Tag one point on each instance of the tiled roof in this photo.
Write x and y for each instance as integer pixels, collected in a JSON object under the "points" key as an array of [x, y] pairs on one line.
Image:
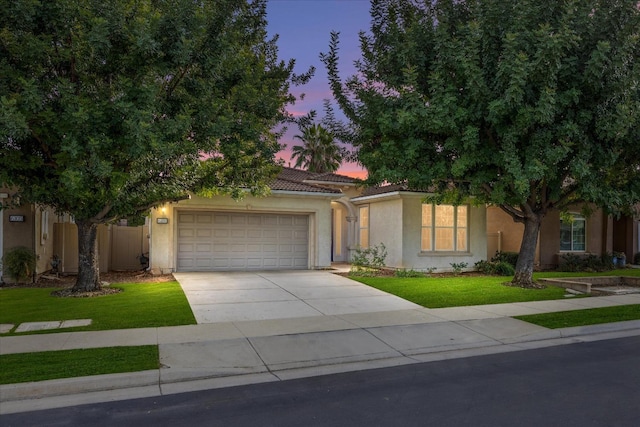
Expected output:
{"points": [[390, 188], [332, 177], [298, 180], [302, 175]]}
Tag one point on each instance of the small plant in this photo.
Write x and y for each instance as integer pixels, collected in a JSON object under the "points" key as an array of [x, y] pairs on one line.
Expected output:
{"points": [[485, 267], [408, 273], [636, 259], [366, 262], [570, 263], [458, 267], [510, 257], [20, 263]]}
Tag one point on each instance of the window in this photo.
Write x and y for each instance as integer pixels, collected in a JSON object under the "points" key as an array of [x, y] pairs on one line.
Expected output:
{"points": [[573, 236], [445, 228], [364, 226]]}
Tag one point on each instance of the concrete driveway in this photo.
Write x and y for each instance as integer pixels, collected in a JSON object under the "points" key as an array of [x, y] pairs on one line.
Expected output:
{"points": [[237, 296]]}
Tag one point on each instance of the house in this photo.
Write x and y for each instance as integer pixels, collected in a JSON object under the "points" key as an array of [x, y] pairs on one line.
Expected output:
{"points": [[309, 221], [420, 235], [55, 236], [595, 234]]}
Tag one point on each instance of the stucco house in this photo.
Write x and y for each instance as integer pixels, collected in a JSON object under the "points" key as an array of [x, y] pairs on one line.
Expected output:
{"points": [[595, 234], [309, 221]]}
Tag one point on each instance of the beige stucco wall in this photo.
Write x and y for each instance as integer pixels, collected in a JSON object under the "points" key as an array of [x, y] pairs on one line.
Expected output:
{"points": [[396, 221], [35, 233], [162, 248], [598, 230]]}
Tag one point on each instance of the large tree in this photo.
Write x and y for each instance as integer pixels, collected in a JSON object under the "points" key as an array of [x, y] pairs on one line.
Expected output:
{"points": [[319, 151], [528, 105], [110, 107]]}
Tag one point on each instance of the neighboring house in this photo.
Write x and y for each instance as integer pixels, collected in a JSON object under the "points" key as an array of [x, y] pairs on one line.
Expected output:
{"points": [[595, 234], [28, 226], [49, 235]]}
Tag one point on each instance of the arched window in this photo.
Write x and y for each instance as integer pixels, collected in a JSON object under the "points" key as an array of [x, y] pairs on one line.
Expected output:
{"points": [[573, 234]]}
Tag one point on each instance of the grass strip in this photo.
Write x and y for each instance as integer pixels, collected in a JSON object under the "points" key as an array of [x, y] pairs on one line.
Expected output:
{"points": [[465, 290], [590, 316], [141, 305], [50, 365]]}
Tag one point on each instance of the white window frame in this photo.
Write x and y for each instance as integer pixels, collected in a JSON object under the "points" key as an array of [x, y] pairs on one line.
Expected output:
{"points": [[430, 229], [574, 218], [363, 226]]}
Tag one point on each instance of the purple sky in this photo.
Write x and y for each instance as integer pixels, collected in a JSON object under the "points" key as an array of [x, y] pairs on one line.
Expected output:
{"points": [[304, 27]]}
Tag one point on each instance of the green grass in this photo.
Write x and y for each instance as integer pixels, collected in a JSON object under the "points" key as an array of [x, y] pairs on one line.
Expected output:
{"points": [[591, 316], [436, 292], [140, 305], [27, 367]]}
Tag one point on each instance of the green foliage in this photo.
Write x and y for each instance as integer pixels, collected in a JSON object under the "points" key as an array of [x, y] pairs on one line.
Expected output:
{"points": [[485, 267], [403, 272], [108, 108], [530, 106], [636, 258], [458, 267], [367, 261], [19, 263], [589, 262], [508, 257], [505, 269], [319, 152]]}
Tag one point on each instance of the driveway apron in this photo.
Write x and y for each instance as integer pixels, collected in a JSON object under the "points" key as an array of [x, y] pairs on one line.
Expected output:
{"points": [[238, 296]]}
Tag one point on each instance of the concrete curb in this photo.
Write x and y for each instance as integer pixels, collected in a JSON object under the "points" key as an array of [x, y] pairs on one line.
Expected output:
{"points": [[101, 388]]}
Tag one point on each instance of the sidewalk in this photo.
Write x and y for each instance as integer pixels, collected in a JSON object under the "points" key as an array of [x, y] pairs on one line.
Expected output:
{"points": [[207, 356]]}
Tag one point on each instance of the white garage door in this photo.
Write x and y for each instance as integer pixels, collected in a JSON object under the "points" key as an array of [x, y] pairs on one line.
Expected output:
{"points": [[209, 241]]}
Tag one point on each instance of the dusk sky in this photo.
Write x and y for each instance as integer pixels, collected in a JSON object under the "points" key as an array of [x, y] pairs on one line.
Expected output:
{"points": [[304, 27]]}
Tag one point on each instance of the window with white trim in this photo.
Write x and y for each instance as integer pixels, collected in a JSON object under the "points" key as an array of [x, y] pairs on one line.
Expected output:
{"points": [[445, 228], [573, 234], [364, 226]]}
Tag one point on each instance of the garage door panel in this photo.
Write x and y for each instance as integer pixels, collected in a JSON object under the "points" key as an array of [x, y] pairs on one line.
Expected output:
{"points": [[240, 241]]}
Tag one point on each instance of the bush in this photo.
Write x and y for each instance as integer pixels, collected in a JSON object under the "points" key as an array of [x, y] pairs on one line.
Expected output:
{"points": [[485, 267], [503, 268], [508, 257], [19, 263], [408, 273], [367, 261], [575, 263], [458, 267], [636, 259]]}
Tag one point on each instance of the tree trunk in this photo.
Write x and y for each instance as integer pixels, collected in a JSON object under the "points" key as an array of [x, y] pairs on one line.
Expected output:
{"points": [[524, 267], [88, 272]]}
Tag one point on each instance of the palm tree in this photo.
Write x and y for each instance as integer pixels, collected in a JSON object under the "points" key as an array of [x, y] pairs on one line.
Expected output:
{"points": [[319, 152]]}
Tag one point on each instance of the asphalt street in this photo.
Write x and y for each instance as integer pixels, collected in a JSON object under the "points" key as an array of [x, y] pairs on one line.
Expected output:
{"points": [[583, 384]]}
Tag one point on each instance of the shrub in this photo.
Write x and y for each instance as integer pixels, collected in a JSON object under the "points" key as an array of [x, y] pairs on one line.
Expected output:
{"points": [[509, 257], [408, 273], [636, 259], [503, 268], [366, 262], [20, 263], [575, 263], [570, 263], [485, 267]]}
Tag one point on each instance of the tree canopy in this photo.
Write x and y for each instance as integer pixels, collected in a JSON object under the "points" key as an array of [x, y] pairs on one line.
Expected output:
{"points": [[527, 105], [110, 107]]}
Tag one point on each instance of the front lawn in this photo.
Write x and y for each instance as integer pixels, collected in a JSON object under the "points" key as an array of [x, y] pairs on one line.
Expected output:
{"points": [[464, 290], [140, 305]]}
